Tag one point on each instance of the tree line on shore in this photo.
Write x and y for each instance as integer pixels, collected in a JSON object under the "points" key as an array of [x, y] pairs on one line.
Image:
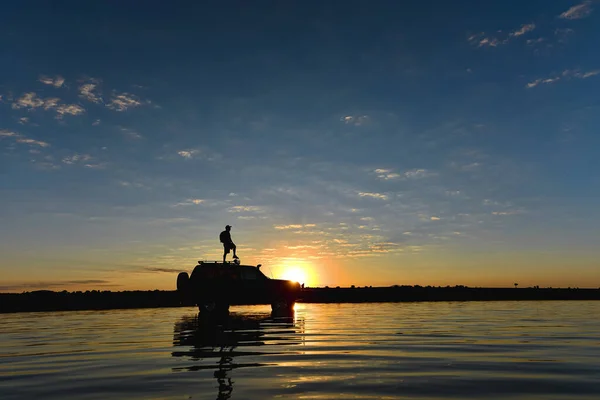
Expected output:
{"points": [[46, 300]]}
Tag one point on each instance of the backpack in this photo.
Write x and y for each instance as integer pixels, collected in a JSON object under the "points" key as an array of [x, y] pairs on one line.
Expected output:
{"points": [[223, 236]]}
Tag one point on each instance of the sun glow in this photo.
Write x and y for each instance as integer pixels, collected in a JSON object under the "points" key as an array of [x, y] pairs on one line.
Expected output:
{"points": [[295, 274], [298, 271]]}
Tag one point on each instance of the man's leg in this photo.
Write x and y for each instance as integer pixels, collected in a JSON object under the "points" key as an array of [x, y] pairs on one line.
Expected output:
{"points": [[233, 247], [224, 253]]}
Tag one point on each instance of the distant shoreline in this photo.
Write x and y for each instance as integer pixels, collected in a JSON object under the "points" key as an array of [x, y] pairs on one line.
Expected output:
{"points": [[44, 300]]}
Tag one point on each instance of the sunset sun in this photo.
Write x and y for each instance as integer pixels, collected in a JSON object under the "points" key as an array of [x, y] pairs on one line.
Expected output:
{"points": [[297, 270], [295, 274]]}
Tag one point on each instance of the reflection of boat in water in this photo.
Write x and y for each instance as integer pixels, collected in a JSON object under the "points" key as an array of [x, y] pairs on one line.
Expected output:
{"points": [[231, 341]]}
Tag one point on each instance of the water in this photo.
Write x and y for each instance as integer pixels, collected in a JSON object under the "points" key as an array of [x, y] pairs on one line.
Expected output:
{"points": [[492, 350]]}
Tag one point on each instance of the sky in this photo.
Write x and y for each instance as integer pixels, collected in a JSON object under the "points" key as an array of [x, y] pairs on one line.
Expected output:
{"points": [[364, 143]]}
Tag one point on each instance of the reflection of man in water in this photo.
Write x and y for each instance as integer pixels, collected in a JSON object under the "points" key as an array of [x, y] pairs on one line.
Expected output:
{"points": [[228, 244]]}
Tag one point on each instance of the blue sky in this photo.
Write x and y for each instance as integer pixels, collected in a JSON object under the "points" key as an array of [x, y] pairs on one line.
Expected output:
{"points": [[366, 143]]}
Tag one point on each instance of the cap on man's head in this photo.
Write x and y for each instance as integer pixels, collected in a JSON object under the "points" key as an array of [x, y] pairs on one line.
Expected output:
{"points": [[227, 226]]}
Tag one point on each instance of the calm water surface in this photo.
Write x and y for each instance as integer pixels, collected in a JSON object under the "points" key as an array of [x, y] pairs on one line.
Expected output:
{"points": [[493, 350]]}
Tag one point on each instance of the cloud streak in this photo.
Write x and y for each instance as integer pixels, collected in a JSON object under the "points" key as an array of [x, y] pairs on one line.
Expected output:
{"points": [[198, 154], [123, 101], [190, 202], [523, 30], [57, 81], [31, 101], [579, 11], [294, 226], [240, 209], [189, 153], [76, 158], [130, 133], [386, 174], [378, 196], [418, 174], [91, 91], [18, 138], [70, 109], [356, 120], [159, 269], [566, 75], [484, 40]]}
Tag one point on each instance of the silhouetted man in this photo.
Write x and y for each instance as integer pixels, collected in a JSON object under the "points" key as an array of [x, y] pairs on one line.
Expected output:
{"points": [[228, 244]]}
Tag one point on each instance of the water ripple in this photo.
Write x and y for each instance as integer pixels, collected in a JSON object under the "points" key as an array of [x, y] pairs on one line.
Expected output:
{"points": [[499, 350]]}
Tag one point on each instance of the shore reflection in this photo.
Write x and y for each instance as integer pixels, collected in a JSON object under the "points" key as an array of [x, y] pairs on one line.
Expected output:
{"points": [[234, 340]]}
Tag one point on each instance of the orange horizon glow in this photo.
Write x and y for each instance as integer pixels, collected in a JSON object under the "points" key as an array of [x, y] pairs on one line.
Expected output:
{"points": [[297, 270], [314, 270]]}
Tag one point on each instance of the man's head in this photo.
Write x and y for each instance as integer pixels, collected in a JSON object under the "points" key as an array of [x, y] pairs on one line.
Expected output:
{"points": [[227, 227]]}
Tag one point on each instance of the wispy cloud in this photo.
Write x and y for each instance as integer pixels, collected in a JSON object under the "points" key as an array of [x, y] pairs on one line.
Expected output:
{"points": [[131, 184], [76, 158], [239, 209], [57, 81], [51, 103], [197, 154], [28, 100], [89, 91], [32, 141], [32, 101], [159, 269], [581, 75], [419, 174], [541, 81], [123, 101], [566, 75], [95, 166], [356, 120], [294, 226], [578, 12], [532, 42], [386, 174], [190, 202], [563, 34], [18, 138], [484, 40], [188, 154], [453, 193], [71, 109], [7, 133], [130, 133], [523, 30], [84, 160], [504, 213], [379, 196]]}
